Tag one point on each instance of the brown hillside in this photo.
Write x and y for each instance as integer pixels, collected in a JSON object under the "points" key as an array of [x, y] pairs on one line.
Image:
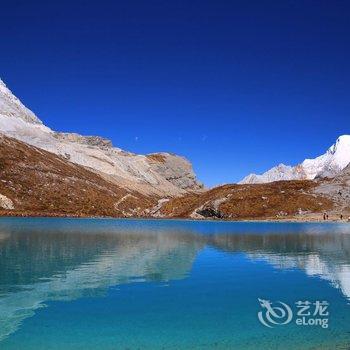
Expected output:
{"points": [[41, 183], [262, 201]]}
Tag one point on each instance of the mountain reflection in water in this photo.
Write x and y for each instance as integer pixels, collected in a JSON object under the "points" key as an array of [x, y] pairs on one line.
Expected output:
{"points": [[45, 260]]}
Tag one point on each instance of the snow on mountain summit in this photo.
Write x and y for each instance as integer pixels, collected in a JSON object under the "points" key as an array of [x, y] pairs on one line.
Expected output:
{"points": [[329, 164], [332, 162]]}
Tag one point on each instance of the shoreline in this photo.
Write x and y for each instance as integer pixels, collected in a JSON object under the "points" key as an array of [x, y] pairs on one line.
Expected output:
{"points": [[8, 214]]}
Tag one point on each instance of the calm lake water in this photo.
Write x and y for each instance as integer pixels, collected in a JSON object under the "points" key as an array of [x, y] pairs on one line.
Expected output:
{"points": [[137, 284]]}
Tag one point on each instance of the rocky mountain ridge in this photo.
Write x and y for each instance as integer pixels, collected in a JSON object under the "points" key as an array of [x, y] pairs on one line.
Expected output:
{"points": [[48, 173], [40, 183], [172, 176], [37, 182]]}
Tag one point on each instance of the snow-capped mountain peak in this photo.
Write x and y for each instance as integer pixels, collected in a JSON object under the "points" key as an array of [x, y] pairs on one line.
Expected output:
{"points": [[341, 149], [336, 158]]}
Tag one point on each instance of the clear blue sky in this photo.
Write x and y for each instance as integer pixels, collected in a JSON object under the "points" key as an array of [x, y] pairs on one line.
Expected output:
{"points": [[235, 86]]}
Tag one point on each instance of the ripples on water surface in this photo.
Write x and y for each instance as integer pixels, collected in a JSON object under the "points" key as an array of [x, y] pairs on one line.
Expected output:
{"points": [[134, 284]]}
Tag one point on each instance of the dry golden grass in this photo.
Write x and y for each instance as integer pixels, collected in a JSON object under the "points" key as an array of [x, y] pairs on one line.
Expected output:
{"points": [[41, 183], [261, 201], [157, 157]]}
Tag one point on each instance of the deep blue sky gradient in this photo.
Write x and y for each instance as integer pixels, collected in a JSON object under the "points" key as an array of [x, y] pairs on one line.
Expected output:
{"points": [[235, 86]]}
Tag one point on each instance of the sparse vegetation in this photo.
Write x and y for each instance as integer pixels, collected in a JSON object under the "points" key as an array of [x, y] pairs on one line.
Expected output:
{"points": [[41, 183]]}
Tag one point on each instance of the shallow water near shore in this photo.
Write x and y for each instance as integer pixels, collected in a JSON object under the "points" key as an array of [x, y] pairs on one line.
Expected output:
{"points": [[171, 284]]}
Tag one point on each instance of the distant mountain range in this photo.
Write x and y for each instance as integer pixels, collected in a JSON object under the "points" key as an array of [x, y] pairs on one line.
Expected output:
{"points": [[43, 172], [329, 164]]}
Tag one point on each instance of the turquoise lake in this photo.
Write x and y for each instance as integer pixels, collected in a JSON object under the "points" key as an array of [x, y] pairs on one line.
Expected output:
{"points": [[172, 284]]}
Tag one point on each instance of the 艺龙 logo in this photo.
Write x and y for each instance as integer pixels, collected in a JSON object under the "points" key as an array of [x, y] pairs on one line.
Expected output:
{"points": [[308, 314], [274, 313]]}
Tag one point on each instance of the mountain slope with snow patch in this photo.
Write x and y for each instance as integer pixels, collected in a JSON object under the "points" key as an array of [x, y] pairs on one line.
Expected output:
{"points": [[329, 164]]}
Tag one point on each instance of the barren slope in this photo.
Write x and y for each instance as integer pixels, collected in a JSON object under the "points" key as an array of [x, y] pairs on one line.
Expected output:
{"points": [[261, 201], [161, 174], [337, 189], [34, 181]]}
